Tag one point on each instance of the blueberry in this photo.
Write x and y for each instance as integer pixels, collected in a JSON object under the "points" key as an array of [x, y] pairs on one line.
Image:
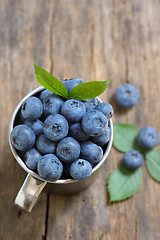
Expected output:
{"points": [[32, 109], [36, 126], [94, 123], [49, 167], [45, 93], [90, 104], [148, 138], [133, 159], [106, 109], [22, 137], [21, 118], [71, 83], [73, 110], [55, 127], [80, 169], [31, 159], [52, 104], [44, 145], [102, 139], [76, 132], [68, 150], [91, 152], [127, 96]]}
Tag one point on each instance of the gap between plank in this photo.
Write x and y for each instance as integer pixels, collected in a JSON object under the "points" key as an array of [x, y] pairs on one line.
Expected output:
{"points": [[44, 237]]}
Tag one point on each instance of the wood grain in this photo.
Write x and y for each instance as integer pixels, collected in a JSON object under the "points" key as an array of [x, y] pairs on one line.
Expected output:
{"points": [[24, 39], [94, 40]]}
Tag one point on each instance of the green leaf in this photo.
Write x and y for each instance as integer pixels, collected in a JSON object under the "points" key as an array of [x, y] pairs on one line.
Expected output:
{"points": [[124, 137], [50, 82], [153, 163], [88, 90], [123, 183]]}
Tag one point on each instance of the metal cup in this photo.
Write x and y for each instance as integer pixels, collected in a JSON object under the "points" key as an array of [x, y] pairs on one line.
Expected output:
{"points": [[34, 184]]}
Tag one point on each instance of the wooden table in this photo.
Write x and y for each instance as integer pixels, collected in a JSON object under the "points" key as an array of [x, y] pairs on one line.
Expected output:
{"points": [[93, 40]]}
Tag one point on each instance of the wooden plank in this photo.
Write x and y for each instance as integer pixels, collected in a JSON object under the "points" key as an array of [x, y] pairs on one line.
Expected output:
{"points": [[97, 40], [142, 41], [24, 39]]}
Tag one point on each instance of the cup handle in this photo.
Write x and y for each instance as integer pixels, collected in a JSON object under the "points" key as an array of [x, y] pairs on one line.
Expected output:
{"points": [[29, 193]]}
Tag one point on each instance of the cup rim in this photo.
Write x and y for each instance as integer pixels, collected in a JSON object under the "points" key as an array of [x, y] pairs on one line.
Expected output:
{"points": [[21, 162]]}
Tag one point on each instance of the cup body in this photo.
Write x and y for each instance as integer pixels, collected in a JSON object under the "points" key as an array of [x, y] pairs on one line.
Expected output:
{"points": [[60, 186]]}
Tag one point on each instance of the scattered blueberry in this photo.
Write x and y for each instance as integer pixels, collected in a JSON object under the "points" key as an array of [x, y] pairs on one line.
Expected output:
{"points": [[71, 83], [49, 167], [106, 109], [36, 126], [102, 139], [45, 93], [68, 150], [127, 95], [44, 145], [91, 152], [133, 159], [76, 132], [90, 104], [52, 104], [32, 109], [148, 138], [80, 169], [22, 137], [31, 159], [55, 127], [94, 123], [73, 110]]}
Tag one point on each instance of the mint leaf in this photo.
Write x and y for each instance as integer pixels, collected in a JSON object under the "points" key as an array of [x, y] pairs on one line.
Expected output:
{"points": [[124, 137], [88, 90], [50, 82], [153, 163], [123, 183]]}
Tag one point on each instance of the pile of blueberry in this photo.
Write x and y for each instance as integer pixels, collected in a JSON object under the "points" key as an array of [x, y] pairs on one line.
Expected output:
{"points": [[60, 138]]}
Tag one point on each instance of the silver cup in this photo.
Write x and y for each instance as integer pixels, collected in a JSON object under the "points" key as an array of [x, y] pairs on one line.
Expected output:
{"points": [[34, 184]]}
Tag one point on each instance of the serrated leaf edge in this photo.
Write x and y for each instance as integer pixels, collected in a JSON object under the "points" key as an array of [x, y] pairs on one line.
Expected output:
{"points": [[60, 94], [146, 163], [75, 97], [126, 196], [124, 125]]}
